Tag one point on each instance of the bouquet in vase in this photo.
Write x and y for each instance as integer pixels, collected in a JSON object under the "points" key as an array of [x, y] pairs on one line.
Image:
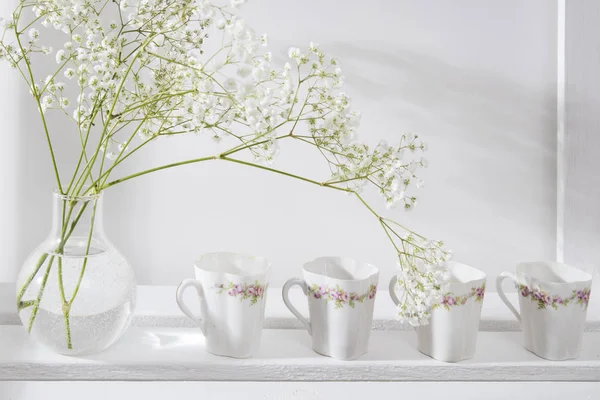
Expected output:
{"points": [[128, 73]]}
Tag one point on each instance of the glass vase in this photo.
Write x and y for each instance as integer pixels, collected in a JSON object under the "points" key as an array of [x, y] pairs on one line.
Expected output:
{"points": [[76, 292]]}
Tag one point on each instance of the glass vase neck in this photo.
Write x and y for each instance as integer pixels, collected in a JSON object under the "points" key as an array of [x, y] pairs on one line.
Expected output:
{"points": [[77, 227]]}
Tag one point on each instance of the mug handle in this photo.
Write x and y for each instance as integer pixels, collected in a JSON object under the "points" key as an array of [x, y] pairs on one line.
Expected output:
{"points": [[285, 293], [392, 290], [499, 280], [180, 290]]}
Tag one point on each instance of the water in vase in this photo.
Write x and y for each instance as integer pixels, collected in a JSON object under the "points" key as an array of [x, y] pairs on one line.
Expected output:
{"points": [[99, 313]]}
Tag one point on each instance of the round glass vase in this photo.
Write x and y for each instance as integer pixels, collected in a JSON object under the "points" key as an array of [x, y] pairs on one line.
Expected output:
{"points": [[76, 293]]}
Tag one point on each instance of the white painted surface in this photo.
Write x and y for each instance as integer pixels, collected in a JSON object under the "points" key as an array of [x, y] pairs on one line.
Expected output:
{"points": [[157, 307], [560, 128], [178, 354], [296, 390], [582, 141], [10, 160], [477, 79]]}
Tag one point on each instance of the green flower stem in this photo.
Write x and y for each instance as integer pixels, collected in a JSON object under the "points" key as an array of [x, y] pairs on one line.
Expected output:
{"points": [[356, 178], [200, 70], [381, 222], [41, 93], [39, 296], [20, 304], [99, 182], [66, 305], [36, 95], [159, 97], [66, 235], [389, 236], [87, 253], [385, 228], [29, 25], [252, 144], [284, 173], [398, 236], [246, 145], [40, 262], [303, 104], [83, 153], [106, 173], [197, 160], [28, 303], [403, 227], [366, 205], [17, 66], [110, 115], [295, 94], [321, 148]]}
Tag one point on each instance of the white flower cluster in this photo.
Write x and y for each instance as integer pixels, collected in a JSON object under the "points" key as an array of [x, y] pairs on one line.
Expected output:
{"points": [[149, 73], [421, 279], [333, 124]]}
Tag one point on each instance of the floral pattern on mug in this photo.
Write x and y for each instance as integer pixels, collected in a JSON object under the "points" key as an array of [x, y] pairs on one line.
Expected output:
{"points": [[544, 300], [242, 290], [450, 300], [339, 296]]}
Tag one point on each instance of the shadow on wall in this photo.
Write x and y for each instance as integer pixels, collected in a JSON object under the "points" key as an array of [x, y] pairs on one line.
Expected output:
{"points": [[509, 128], [499, 110]]}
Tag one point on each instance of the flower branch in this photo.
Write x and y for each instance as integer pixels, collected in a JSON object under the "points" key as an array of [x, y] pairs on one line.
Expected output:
{"points": [[146, 76]]}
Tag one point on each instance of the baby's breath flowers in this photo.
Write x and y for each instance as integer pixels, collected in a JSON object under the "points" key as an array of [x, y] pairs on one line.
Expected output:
{"points": [[131, 72]]}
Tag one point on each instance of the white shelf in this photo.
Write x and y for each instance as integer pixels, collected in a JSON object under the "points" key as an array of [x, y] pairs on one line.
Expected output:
{"points": [[177, 354], [297, 390], [163, 346]]}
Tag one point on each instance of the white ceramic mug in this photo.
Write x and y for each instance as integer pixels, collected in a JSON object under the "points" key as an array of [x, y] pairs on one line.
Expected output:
{"points": [[341, 296], [232, 289], [553, 299], [451, 334]]}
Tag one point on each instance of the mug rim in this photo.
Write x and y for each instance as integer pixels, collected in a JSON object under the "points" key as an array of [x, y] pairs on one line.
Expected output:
{"points": [[374, 270], [464, 286], [555, 265], [261, 259], [452, 265]]}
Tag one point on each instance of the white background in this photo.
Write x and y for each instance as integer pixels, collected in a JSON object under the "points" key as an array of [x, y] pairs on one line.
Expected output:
{"points": [[476, 79]]}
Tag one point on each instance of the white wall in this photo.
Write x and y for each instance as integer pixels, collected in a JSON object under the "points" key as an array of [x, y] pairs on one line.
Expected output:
{"points": [[476, 79], [582, 142]]}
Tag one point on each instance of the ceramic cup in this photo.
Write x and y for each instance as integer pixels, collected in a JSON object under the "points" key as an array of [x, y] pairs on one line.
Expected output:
{"points": [[451, 334], [341, 295], [553, 299], [232, 291]]}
